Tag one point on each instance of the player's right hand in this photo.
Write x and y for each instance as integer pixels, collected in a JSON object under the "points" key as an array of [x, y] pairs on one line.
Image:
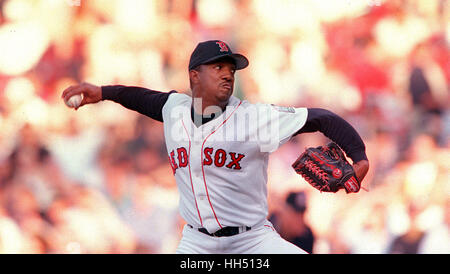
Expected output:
{"points": [[91, 94]]}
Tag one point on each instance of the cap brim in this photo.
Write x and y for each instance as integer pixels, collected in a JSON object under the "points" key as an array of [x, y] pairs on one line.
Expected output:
{"points": [[240, 60]]}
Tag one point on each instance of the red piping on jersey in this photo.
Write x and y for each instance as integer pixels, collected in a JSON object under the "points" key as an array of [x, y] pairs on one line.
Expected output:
{"points": [[190, 175], [203, 171]]}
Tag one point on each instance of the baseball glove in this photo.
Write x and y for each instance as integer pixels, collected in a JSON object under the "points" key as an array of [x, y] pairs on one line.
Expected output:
{"points": [[327, 169]]}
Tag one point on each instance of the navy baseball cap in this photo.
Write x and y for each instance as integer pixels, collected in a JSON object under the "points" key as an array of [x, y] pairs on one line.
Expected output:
{"points": [[213, 50]]}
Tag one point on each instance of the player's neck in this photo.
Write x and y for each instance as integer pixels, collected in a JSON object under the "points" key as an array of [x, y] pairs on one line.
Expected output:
{"points": [[202, 113], [202, 107], [199, 119]]}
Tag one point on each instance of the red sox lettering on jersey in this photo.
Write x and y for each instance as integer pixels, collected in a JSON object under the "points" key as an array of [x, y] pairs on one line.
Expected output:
{"points": [[218, 158], [220, 167]]}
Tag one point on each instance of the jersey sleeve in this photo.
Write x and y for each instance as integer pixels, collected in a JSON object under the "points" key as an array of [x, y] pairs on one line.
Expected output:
{"points": [[145, 101], [338, 130], [277, 124]]}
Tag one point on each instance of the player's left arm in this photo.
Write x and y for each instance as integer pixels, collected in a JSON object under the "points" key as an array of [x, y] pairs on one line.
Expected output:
{"points": [[342, 133]]}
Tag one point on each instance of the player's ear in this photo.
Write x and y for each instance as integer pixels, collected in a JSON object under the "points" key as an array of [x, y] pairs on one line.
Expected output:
{"points": [[194, 76]]}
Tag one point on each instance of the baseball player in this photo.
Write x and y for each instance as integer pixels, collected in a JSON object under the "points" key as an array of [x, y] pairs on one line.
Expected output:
{"points": [[218, 147]]}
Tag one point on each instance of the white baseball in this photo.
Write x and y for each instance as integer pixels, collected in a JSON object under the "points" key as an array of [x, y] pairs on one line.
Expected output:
{"points": [[74, 101]]}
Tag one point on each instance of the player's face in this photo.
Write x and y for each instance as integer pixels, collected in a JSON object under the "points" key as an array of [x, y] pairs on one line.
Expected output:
{"points": [[216, 81]]}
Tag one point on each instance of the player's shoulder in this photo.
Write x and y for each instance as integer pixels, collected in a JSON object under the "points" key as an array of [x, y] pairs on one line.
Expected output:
{"points": [[176, 99], [277, 110], [179, 96], [271, 107]]}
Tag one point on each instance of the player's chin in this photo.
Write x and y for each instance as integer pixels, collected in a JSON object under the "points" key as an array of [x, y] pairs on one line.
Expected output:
{"points": [[224, 93]]}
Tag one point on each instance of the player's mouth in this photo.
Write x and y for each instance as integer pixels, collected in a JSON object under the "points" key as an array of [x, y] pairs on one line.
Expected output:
{"points": [[227, 86]]}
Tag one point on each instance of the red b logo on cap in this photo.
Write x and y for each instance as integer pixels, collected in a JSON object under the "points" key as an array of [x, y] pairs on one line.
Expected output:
{"points": [[222, 45]]}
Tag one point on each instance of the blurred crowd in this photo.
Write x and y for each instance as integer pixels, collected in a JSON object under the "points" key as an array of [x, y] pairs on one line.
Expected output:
{"points": [[97, 180]]}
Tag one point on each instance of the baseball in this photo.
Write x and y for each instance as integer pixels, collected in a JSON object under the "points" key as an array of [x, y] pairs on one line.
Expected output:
{"points": [[74, 101]]}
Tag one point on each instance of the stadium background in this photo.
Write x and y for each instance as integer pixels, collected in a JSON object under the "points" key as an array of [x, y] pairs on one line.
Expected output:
{"points": [[97, 180]]}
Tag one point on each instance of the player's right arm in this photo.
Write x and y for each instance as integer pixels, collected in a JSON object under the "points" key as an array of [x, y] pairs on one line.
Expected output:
{"points": [[145, 101]]}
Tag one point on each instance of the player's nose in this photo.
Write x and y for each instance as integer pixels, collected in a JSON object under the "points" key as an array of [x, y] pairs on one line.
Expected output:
{"points": [[228, 75], [228, 78]]}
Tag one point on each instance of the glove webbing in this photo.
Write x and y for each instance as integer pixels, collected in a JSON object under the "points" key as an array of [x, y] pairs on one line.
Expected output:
{"points": [[309, 170]]}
